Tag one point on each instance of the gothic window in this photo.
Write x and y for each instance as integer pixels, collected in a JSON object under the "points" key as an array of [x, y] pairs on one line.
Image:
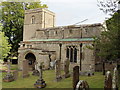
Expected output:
{"points": [[33, 20], [71, 53], [67, 53], [75, 55]]}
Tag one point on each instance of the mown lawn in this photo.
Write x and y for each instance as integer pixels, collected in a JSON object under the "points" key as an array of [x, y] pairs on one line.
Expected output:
{"points": [[95, 81]]}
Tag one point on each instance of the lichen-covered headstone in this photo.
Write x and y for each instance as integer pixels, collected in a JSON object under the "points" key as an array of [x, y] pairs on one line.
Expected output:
{"points": [[40, 83], [15, 75], [25, 69], [66, 68], [115, 79], [82, 85], [108, 81], [75, 76], [58, 70]]}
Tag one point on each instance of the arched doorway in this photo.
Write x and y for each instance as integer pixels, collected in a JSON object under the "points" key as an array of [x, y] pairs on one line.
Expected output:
{"points": [[31, 58]]}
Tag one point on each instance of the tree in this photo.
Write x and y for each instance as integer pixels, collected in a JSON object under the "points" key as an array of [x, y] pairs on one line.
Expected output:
{"points": [[4, 45], [13, 20], [108, 43]]}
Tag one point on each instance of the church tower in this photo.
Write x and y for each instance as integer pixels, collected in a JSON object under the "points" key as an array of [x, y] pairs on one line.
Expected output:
{"points": [[36, 19]]}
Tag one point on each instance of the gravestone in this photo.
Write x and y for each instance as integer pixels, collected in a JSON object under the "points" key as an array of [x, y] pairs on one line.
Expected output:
{"points": [[75, 76], [36, 72], [8, 77], [108, 81], [58, 70], [82, 85], [66, 68], [40, 83], [118, 68], [115, 79], [25, 70], [15, 75]]}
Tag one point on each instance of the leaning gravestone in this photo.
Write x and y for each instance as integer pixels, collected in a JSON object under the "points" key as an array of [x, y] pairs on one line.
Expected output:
{"points": [[115, 79], [82, 85], [40, 83], [66, 68], [108, 81], [75, 76], [8, 77], [58, 70], [36, 72], [15, 75], [25, 71]]}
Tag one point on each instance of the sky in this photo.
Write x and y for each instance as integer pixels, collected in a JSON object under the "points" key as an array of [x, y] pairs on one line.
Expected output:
{"points": [[70, 12]]}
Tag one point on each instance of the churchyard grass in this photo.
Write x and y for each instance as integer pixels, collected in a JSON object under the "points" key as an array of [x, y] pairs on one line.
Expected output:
{"points": [[95, 81]]}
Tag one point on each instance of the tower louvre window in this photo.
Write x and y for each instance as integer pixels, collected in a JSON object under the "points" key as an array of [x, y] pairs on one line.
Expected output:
{"points": [[33, 20]]}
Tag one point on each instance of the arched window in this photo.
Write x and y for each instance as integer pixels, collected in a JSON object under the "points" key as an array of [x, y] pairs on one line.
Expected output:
{"points": [[71, 53], [33, 20], [75, 55]]}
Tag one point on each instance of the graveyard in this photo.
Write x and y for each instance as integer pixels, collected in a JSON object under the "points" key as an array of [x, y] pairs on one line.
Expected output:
{"points": [[44, 55], [49, 77], [95, 81]]}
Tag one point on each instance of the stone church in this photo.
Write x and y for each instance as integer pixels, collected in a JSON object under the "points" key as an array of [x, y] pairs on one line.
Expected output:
{"points": [[44, 42]]}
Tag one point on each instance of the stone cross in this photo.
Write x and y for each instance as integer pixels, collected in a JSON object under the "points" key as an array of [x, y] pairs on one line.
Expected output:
{"points": [[66, 68], [58, 70], [40, 70], [115, 79], [35, 65], [82, 85], [108, 81], [40, 83], [75, 76]]}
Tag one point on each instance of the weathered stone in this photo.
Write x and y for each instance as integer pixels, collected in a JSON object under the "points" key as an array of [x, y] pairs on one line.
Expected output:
{"points": [[58, 70], [15, 75], [118, 68], [48, 38], [108, 81], [36, 72], [40, 83], [75, 76], [115, 79], [8, 77], [25, 70], [82, 85], [66, 68]]}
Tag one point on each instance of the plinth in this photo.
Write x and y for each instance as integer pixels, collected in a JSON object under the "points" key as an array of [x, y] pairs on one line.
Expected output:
{"points": [[40, 83], [8, 78]]}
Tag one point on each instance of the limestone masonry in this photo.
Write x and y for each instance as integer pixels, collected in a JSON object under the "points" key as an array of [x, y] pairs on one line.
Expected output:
{"points": [[43, 42]]}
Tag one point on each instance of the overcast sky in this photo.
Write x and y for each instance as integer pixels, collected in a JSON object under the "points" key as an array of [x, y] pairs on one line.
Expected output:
{"points": [[69, 12]]}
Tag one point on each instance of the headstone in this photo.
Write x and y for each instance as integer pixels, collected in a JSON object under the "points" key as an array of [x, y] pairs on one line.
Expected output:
{"points": [[8, 77], [82, 85], [118, 68], [36, 72], [75, 76], [66, 68], [40, 83], [25, 71], [15, 75], [58, 70], [115, 79], [108, 81]]}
